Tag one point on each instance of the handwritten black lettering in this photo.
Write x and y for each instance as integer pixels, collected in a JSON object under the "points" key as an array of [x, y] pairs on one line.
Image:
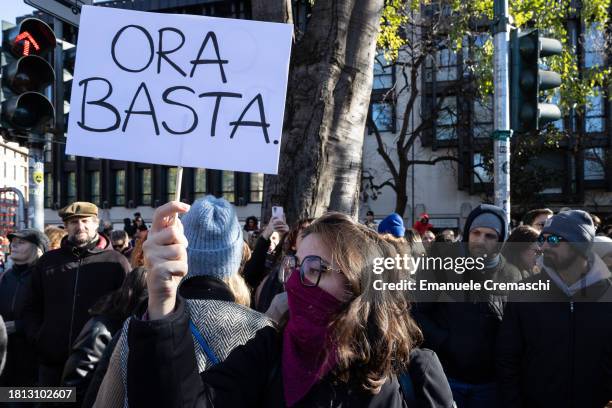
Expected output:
{"points": [[165, 98], [198, 61], [99, 102], [114, 45], [151, 110], [264, 126]]}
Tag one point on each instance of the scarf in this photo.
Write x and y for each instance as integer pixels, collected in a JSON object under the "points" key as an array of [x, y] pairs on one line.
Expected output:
{"points": [[308, 354]]}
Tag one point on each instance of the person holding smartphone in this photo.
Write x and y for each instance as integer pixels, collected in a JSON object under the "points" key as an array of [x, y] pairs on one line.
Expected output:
{"points": [[266, 256]]}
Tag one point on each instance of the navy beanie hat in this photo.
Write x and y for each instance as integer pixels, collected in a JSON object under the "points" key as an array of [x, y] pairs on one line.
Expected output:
{"points": [[214, 238], [576, 226], [392, 224]]}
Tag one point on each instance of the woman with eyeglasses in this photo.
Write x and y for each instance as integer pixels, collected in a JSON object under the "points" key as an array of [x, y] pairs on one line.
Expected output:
{"points": [[522, 250], [342, 345]]}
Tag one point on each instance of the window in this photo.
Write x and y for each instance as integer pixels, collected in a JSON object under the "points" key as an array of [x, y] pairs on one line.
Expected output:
{"points": [[483, 116], [594, 168], [144, 186], [119, 190], [256, 190], [171, 183], [48, 190], [446, 119], [228, 186], [382, 109], [595, 113], [443, 65], [382, 116], [383, 73], [70, 187], [94, 187], [199, 183], [480, 173], [594, 46]]}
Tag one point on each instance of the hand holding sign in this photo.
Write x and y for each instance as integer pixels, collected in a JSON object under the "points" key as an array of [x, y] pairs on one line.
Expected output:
{"points": [[165, 254]]}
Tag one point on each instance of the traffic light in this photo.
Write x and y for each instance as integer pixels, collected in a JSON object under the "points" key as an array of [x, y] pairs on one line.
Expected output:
{"points": [[527, 80], [26, 74]]}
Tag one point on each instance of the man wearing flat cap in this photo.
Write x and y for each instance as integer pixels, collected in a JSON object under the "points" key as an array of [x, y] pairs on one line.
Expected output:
{"points": [[555, 346], [66, 283], [26, 246]]}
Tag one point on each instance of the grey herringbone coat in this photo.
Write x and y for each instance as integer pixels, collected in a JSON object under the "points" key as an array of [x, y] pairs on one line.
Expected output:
{"points": [[223, 324]]}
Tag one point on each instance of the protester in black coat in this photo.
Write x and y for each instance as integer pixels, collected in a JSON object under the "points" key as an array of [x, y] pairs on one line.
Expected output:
{"points": [[27, 246], [351, 363], [66, 283], [462, 326], [555, 345], [425, 385], [107, 317]]}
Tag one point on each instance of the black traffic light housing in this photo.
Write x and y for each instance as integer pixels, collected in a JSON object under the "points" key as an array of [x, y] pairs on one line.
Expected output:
{"points": [[26, 74], [527, 80]]}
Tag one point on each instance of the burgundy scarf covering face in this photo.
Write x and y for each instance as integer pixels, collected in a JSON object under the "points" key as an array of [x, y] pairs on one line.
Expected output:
{"points": [[307, 353]]}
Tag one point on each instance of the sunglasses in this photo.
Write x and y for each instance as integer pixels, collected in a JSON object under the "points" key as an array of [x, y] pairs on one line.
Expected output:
{"points": [[311, 269], [552, 239]]}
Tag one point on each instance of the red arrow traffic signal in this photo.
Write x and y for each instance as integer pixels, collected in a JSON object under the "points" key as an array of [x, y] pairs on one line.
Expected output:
{"points": [[27, 40]]}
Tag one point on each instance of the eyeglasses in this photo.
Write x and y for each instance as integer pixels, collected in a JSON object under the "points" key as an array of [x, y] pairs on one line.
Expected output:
{"points": [[311, 269], [553, 240]]}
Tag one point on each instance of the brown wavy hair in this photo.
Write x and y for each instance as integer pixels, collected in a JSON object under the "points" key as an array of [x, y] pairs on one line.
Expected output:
{"points": [[374, 333]]}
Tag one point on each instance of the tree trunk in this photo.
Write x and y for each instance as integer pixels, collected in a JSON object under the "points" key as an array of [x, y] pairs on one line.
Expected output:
{"points": [[330, 82]]}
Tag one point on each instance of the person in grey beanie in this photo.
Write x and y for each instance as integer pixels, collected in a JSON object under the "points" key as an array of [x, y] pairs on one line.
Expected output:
{"points": [[463, 329], [214, 297], [27, 246], [555, 346]]}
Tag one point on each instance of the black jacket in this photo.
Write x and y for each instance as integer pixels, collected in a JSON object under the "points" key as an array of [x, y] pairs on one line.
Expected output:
{"points": [[462, 327], [555, 350], [87, 351], [21, 364], [162, 373], [255, 272], [66, 282], [427, 386]]}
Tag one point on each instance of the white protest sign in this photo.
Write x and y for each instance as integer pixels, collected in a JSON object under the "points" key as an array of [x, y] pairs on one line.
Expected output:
{"points": [[179, 90]]}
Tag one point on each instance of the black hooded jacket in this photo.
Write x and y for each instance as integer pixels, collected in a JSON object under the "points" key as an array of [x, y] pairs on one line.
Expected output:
{"points": [[21, 364], [462, 327], [66, 282]]}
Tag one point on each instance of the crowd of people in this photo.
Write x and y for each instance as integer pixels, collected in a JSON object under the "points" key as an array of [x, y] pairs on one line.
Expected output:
{"points": [[199, 310]]}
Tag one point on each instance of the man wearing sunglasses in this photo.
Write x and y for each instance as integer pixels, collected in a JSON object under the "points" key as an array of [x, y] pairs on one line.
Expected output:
{"points": [[555, 347]]}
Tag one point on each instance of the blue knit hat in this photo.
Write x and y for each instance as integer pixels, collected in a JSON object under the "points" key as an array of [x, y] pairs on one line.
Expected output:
{"points": [[392, 224], [215, 238]]}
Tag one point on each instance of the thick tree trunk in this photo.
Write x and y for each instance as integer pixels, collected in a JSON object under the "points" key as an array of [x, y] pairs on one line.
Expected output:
{"points": [[330, 82]]}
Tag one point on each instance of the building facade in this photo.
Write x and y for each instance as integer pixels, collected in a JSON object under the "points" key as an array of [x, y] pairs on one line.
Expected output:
{"points": [[459, 124], [448, 190]]}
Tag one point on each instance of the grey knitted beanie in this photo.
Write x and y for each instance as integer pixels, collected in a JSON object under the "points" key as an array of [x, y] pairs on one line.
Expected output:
{"points": [[215, 238], [576, 226]]}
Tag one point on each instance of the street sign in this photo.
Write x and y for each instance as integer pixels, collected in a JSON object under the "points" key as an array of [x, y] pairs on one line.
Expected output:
{"points": [[66, 10]]}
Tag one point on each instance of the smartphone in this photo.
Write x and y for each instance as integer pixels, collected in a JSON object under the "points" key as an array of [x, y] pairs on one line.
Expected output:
{"points": [[278, 212]]}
